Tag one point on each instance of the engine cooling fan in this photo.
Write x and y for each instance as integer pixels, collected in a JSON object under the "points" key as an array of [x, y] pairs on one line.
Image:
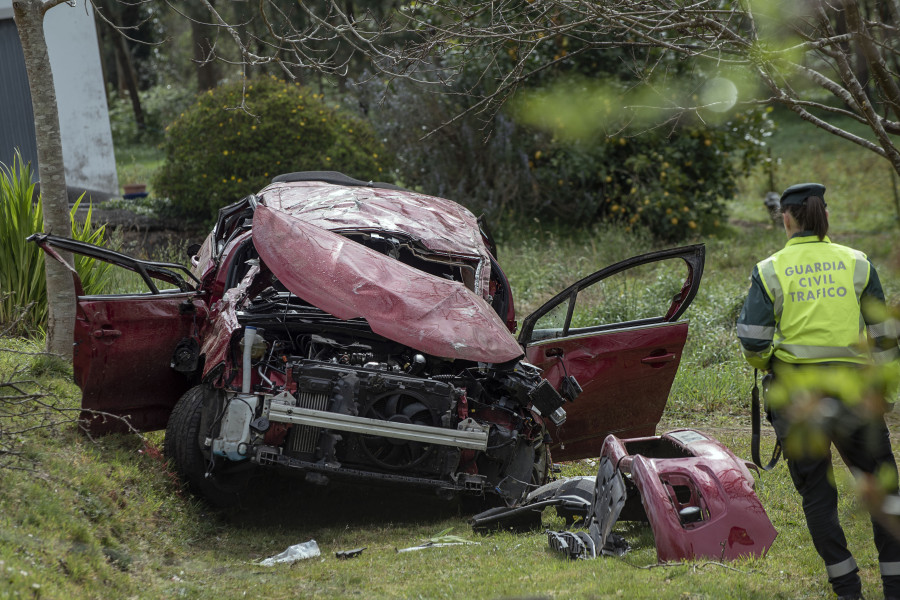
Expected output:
{"points": [[398, 406]]}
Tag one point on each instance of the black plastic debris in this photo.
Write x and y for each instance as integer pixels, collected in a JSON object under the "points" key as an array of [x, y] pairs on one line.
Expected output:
{"points": [[572, 498], [345, 554], [595, 501], [608, 500], [573, 544]]}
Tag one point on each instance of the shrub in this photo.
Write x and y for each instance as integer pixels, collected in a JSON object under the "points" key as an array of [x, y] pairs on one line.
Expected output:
{"points": [[23, 286], [673, 182], [220, 150]]}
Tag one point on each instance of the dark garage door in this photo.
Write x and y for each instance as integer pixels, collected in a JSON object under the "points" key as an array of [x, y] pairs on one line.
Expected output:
{"points": [[16, 116]]}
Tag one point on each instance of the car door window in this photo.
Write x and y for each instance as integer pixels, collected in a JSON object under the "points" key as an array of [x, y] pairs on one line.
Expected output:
{"points": [[647, 289], [642, 292], [552, 324], [125, 281], [129, 275]]}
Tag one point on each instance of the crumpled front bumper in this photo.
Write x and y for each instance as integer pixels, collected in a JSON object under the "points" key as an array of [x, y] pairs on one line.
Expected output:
{"points": [[697, 495]]}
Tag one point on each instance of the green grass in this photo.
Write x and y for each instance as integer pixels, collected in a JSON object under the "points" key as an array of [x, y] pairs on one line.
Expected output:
{"points": [[104, 519]]}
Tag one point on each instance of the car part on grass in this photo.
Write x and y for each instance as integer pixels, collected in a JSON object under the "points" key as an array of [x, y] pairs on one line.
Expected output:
{"points": [[596, 501], [442, 539], [572, 497], [584, 545], [428, 545], [698, 498], [345, 554], [606, 506], [573, 544], [697, 495]]}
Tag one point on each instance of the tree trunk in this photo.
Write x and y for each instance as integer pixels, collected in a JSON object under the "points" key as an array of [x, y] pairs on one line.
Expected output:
{"points": [[204, 57], [204, 52], [29, 18], [123, 57]]}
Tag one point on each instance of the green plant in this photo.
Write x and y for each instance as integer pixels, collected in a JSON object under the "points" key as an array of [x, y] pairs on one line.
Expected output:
{"points": [[238, 136], [23, 291], [674, 183]]}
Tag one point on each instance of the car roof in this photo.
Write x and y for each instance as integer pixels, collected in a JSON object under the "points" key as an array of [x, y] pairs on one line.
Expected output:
{"points": [[336, 202], [429, 313]]}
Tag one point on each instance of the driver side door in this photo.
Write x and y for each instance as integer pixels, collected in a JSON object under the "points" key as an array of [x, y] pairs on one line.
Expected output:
{"points": [[127, 345]]}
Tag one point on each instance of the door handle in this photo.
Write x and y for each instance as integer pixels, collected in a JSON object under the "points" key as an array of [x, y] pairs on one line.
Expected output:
{"points": [[106, 333], [658, 361], [551, 352]]}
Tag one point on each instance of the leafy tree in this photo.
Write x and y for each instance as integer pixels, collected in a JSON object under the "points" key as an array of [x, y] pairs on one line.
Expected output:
{"points": [[822, 60]]}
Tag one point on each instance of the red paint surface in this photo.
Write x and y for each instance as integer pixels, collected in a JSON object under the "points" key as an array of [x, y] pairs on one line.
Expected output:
{"points": [[622, 395], [348, 280], [442, 226], [734, 522], [123, 349]]}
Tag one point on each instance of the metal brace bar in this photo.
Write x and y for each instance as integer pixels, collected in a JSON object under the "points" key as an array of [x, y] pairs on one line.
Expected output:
{"points": [[472, 440]]}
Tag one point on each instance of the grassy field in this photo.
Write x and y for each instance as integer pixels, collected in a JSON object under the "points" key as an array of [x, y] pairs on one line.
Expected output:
{"points": [[104, 518]]}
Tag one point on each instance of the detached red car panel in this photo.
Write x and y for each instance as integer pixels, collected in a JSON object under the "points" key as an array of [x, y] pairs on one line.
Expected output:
{"points": [[698, 497], [341, 329]]}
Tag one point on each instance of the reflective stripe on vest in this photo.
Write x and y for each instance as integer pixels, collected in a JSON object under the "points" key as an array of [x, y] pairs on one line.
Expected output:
{"points": [[815, 289]]}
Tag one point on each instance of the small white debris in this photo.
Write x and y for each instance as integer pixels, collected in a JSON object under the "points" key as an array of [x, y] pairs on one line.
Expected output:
{"points": [[294, 553]]}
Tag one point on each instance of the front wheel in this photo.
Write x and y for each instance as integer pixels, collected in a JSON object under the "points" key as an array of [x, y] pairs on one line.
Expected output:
{"points": [[219, 481]]}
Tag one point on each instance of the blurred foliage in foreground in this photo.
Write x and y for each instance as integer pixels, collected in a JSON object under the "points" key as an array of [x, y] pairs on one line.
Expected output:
{"points": [[572, 149]]}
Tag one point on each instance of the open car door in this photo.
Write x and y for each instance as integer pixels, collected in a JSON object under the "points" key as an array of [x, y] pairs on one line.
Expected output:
{"points": [[618, 333], [129, 345]]}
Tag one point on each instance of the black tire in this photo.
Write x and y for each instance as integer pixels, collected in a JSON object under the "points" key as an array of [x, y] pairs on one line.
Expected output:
{"points": [[226, 482], [540, 473]]}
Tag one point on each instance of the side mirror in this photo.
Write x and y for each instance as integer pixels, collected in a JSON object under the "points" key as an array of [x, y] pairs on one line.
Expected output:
{"points": [[193, 249]]}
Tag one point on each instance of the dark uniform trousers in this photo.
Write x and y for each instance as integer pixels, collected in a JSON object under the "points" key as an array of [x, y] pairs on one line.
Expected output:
{"points": [[864, 445]]}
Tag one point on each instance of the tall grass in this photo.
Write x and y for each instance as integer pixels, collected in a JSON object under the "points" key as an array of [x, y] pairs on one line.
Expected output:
{"points": [[23, 289]]}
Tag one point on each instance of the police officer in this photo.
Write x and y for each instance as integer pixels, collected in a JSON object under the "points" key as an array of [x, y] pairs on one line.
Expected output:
{"points": [[815, 317]]}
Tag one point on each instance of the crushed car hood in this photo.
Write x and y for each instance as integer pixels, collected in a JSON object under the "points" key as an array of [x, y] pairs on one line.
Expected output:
{"points": [[441, 226], [348, 280]]}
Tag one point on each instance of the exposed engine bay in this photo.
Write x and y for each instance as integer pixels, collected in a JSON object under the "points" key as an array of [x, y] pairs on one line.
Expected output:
{"points": [[332, 399]]}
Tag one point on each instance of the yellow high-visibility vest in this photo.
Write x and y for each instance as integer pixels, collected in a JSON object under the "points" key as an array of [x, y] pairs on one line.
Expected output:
{"points": [[815, 287]]}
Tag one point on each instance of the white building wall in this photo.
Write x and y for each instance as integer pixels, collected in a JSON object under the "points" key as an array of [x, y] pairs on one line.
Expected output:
{"points": [[83, 114]]}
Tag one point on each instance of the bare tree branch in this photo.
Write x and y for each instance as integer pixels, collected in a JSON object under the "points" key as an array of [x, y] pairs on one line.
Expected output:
{"points": [[486, 50]]}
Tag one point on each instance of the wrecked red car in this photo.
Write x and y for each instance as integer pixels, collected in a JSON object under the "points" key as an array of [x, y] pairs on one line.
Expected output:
{"points": [[344, 329]]}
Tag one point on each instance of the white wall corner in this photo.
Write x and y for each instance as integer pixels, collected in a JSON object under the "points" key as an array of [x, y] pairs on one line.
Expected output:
{"points": [[83, 113]]}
